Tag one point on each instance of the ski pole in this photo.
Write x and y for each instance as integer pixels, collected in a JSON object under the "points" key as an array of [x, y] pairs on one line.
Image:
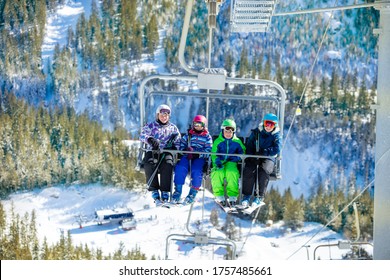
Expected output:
{"points": [[168, 145], [155, 170]]}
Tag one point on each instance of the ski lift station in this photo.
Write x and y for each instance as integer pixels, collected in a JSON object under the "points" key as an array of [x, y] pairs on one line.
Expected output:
{"points": [[113, 215]]}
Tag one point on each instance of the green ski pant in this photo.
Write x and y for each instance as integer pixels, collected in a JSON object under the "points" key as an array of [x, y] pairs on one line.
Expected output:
{"points": [[231, 173]]}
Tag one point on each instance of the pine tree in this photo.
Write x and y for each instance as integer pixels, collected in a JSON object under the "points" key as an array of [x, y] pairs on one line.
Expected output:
{"points": [[230, 228], [243, 63], [33, 237], [293, 215], [214, 218], [267, 69], [3, 223], [275, 205], [136, 42], [229, 62], [363, 100], [45, 251], [259, 65], [350, 230], [151, 35], [334, 88]]}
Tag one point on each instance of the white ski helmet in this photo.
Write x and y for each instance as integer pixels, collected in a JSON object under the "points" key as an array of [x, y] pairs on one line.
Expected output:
{"points": [[162, 107]]}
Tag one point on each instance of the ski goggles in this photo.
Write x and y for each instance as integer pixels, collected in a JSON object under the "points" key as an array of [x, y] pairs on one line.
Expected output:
{"points": [[269, 124], [197, 124], [229, 129], [165, 112]]}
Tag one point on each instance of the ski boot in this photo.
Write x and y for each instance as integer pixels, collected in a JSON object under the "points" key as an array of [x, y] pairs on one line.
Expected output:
{"points": [[245, 201], [191, 196], [257, 201], [177, 194]]}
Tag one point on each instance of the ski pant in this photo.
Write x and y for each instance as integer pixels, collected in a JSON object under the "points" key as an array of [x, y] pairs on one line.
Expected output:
{"points": [[165, 168], [266, 167], [182, 169], [231, 173]]}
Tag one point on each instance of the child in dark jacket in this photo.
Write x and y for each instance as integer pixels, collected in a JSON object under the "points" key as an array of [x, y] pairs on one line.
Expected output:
{"points": [[263, 141]]}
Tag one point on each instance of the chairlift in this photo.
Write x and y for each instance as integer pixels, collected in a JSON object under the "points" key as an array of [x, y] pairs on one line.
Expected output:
{"points": [[209, 84], [277, 100]]}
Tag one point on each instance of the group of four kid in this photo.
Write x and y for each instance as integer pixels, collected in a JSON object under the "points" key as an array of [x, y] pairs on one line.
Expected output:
{"points": [[264, 143]]}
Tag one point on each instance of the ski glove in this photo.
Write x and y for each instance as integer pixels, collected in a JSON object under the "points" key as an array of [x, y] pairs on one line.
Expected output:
{"points": [[172, 148], [218, 163], [191, 156], [234, 159], [189, 149], [154, 143]]}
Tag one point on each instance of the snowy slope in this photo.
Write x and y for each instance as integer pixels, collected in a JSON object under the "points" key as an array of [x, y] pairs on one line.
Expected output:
{"points": [[59, 208], [57, 24], [300, 170]]}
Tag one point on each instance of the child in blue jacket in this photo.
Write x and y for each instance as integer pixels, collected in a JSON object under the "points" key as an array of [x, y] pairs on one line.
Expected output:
{"points": [[198, 139]]}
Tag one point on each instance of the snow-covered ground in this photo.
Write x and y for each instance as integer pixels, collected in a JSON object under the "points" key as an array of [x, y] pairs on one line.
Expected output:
{"points": [[59, 209], [58, 23]]}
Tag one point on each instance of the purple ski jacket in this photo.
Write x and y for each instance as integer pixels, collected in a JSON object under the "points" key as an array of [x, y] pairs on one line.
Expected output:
{"points": [[161, 132]]}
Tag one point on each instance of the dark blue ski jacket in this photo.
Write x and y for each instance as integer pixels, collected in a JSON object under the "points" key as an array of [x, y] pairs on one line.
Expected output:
{"points": [[264, 143]]}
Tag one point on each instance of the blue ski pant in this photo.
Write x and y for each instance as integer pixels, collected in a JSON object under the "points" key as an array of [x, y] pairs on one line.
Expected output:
{"points": [[183, 167]]}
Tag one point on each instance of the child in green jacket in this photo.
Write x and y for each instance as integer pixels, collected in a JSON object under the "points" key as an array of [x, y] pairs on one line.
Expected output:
{"points": [[225, 166]]}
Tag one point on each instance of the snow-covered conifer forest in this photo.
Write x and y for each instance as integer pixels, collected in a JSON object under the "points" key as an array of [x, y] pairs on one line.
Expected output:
{"points": [[70, 71]]}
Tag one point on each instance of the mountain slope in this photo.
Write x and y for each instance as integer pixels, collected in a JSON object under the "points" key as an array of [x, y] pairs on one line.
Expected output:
{"points": [[59, 208]]}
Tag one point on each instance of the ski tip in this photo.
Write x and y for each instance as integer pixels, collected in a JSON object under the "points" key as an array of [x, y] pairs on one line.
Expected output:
{"points": [[252, 209], [226, 209]]}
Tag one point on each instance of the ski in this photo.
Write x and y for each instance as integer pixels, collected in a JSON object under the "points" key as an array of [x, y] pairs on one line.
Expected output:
{"points": [[172, 204], [239, 207], [160, 203], [227, 209], [251, 209], [180, 204]]}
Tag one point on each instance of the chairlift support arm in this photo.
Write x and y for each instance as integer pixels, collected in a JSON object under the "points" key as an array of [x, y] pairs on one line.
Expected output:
{"points": [[233, 81]]}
